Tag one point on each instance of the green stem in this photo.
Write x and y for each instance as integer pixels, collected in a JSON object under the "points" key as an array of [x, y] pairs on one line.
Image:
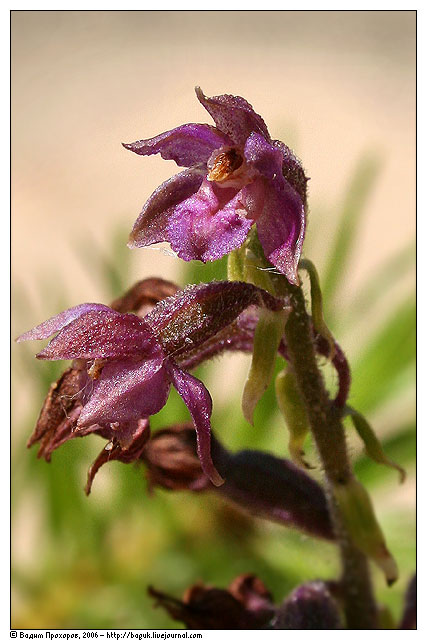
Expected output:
{"points": [[328, 433]]}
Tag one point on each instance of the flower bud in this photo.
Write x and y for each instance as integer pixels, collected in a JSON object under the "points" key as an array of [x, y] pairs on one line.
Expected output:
{"points": [[144, 295], [246, 604], [261, 484], [310, 607], [409, 617], [171, 460]]}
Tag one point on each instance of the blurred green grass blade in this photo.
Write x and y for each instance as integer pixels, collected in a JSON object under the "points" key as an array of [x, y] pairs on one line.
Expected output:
{"points": [[386, 276], [343, 244], [379, 369]]}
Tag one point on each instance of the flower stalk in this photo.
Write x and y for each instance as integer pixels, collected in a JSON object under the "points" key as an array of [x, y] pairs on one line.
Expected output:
{"points": [[328, 433]]}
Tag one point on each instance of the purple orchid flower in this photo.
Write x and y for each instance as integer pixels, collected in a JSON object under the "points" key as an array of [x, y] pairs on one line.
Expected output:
{"points": [[129, 363], [236, 176]]}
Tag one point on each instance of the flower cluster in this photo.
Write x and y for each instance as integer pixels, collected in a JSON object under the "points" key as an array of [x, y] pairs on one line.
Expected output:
{"points": [[244, 193]]}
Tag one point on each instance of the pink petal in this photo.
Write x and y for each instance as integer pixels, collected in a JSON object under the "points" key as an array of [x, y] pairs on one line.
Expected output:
{"points": [[281, 228], [193, 316], [199, 403], [292, 170], [209, 224], [47, 328], [187, 145], [234, 116], [126, 391], [151, 225], [262, 156], [101, 334]]}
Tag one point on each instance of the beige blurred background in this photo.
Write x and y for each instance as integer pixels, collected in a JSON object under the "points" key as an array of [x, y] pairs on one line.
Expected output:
{"points": [[332, 84]]}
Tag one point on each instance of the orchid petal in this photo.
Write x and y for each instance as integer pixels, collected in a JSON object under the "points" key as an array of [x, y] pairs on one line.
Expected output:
{"points": [[234, 116], [192, 316], [151, 224], [100, 334], [209, 224], [199, 403], [126, 391], [281, 228], [128, 445], [261, 155], [58, 322], [292, 170], [187, 145]]}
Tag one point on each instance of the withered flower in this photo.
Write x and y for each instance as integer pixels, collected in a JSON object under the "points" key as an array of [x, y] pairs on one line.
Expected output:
{"points": [[246, 604]]}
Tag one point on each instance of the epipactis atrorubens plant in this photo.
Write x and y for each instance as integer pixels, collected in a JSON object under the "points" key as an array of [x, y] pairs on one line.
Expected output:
{"points": [[240, 194]]}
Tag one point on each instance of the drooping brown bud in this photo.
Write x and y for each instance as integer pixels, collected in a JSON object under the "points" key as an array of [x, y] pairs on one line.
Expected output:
{"points": [[257, 482], [172, 462], [144, 295]]}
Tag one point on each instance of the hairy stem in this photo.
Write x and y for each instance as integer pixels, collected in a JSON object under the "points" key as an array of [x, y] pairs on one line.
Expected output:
{"points": [[328, 433]]}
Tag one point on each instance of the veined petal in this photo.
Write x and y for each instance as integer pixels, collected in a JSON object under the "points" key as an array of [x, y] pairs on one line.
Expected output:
{"points": [[292, 170], [234, 116], [209, 224], [192, 316], [126, 391], [58, 322], [261, 155], [187, 145], [151, 225], [103, 333], [281, 228], [199, 403]]}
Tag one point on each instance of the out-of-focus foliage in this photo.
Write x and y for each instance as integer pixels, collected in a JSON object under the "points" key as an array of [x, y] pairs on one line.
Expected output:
{"points": [[86, 562]]}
